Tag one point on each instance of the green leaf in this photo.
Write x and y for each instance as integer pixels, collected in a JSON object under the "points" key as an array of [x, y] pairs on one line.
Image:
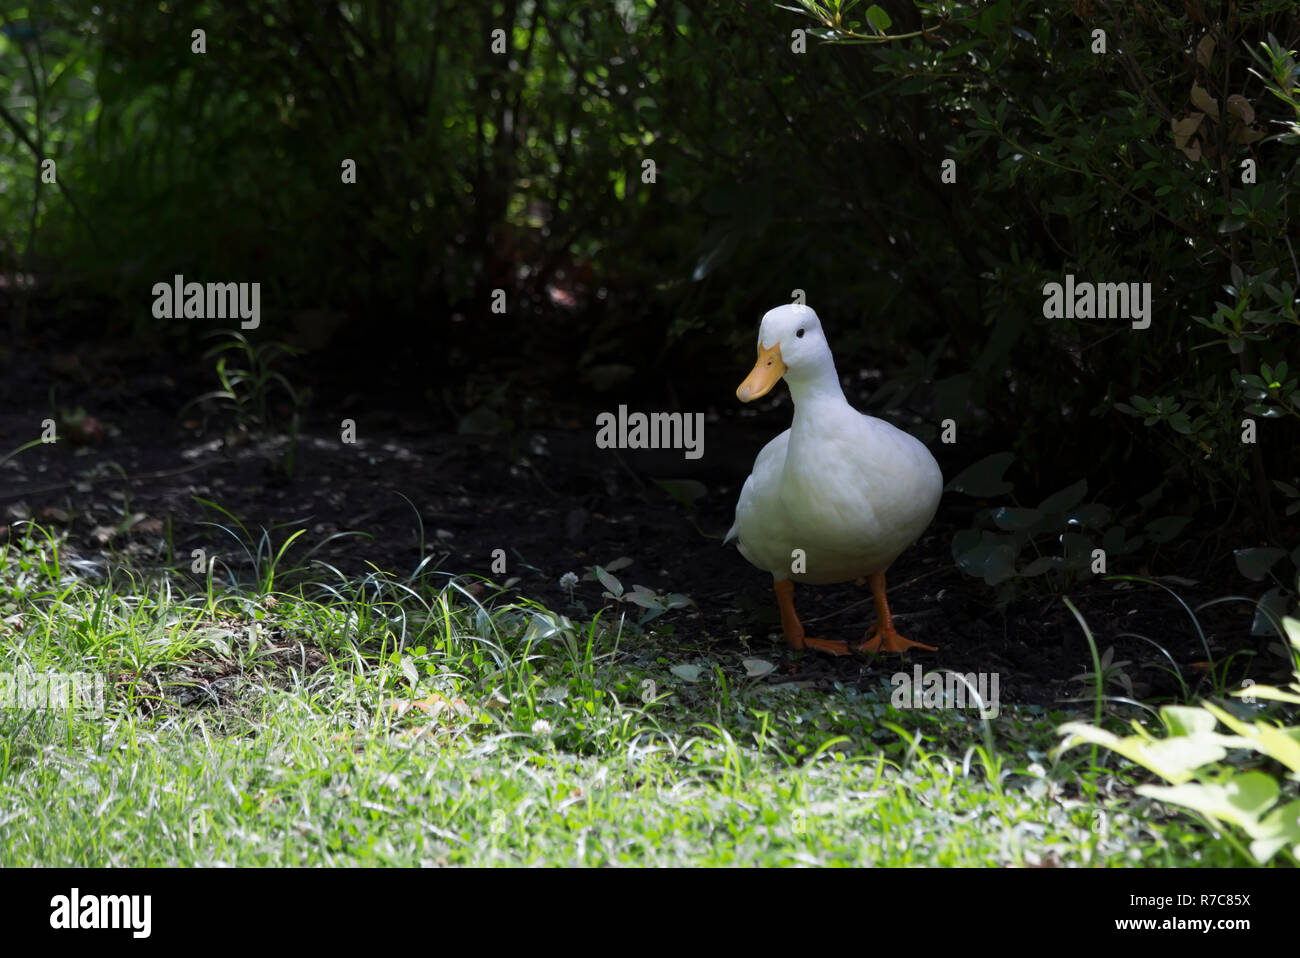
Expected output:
{"points": [[1187, 720], [994, 559], [1281, 827], [1280, 744], [644, 597], [984, 478], [1093, 515], [878, 18], [1273, 601], [1240, 801], [1173, 759], [1011, 519], [1166, 528], [964, 541], [611, 584], [718, 254], [1255, 563], [1113, 541], [1066, 499], [1043, 564], [684, 491]]}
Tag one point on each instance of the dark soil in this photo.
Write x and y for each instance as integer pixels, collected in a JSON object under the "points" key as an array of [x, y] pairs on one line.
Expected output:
{"points": [[538, 488]]}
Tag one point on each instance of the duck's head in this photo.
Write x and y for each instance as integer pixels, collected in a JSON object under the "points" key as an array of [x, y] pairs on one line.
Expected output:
{"points": [[790, 344]]}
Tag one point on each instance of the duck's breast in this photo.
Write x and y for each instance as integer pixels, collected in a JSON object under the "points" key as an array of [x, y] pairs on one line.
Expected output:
{"points": [[857, 495], [762, 526]]}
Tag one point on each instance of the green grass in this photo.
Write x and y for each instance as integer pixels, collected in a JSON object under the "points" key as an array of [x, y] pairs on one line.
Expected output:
{"points": [[434, 721]]}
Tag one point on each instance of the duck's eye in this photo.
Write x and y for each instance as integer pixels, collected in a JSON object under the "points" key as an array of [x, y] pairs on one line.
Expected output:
{"points": [[799, 334]]}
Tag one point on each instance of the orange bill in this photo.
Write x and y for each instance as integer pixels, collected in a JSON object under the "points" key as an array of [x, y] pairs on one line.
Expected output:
{"points": [[765, 374]]}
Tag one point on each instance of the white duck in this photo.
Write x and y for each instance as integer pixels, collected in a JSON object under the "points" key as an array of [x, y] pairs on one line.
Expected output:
{"points": [[837, 496]]}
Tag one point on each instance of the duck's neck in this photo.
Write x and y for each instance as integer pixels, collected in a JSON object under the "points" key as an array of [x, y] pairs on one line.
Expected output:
{"points": [[820, 391]]}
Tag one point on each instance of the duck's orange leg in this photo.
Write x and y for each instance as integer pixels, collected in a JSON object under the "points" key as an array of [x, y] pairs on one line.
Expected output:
{"points": [[793, 628], [885, 638]]}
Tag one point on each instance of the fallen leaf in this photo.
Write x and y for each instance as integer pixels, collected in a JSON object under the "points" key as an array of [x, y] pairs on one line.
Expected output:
{"points": [[437, 703], [687, 673], [149, 527]]}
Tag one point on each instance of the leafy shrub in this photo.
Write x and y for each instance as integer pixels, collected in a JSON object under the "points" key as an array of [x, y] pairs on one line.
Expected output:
{"points": [[1060, 536], [1151, 161]]}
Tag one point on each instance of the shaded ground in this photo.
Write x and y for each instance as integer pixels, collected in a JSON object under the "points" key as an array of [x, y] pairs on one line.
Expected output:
{"points": [[125, 482]]}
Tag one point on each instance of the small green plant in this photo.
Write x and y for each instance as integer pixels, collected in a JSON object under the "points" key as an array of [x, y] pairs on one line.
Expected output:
{"points": [[248, 380], [265, 557], [653, 604], [1110, 673], [1194, 758]]}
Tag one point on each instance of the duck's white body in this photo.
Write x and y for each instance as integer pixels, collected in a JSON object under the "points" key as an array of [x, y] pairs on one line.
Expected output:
{"points": [[850, 491]]}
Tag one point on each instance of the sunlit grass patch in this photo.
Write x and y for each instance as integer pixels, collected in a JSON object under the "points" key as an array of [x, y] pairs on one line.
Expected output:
{"points": [[437, 720]]}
